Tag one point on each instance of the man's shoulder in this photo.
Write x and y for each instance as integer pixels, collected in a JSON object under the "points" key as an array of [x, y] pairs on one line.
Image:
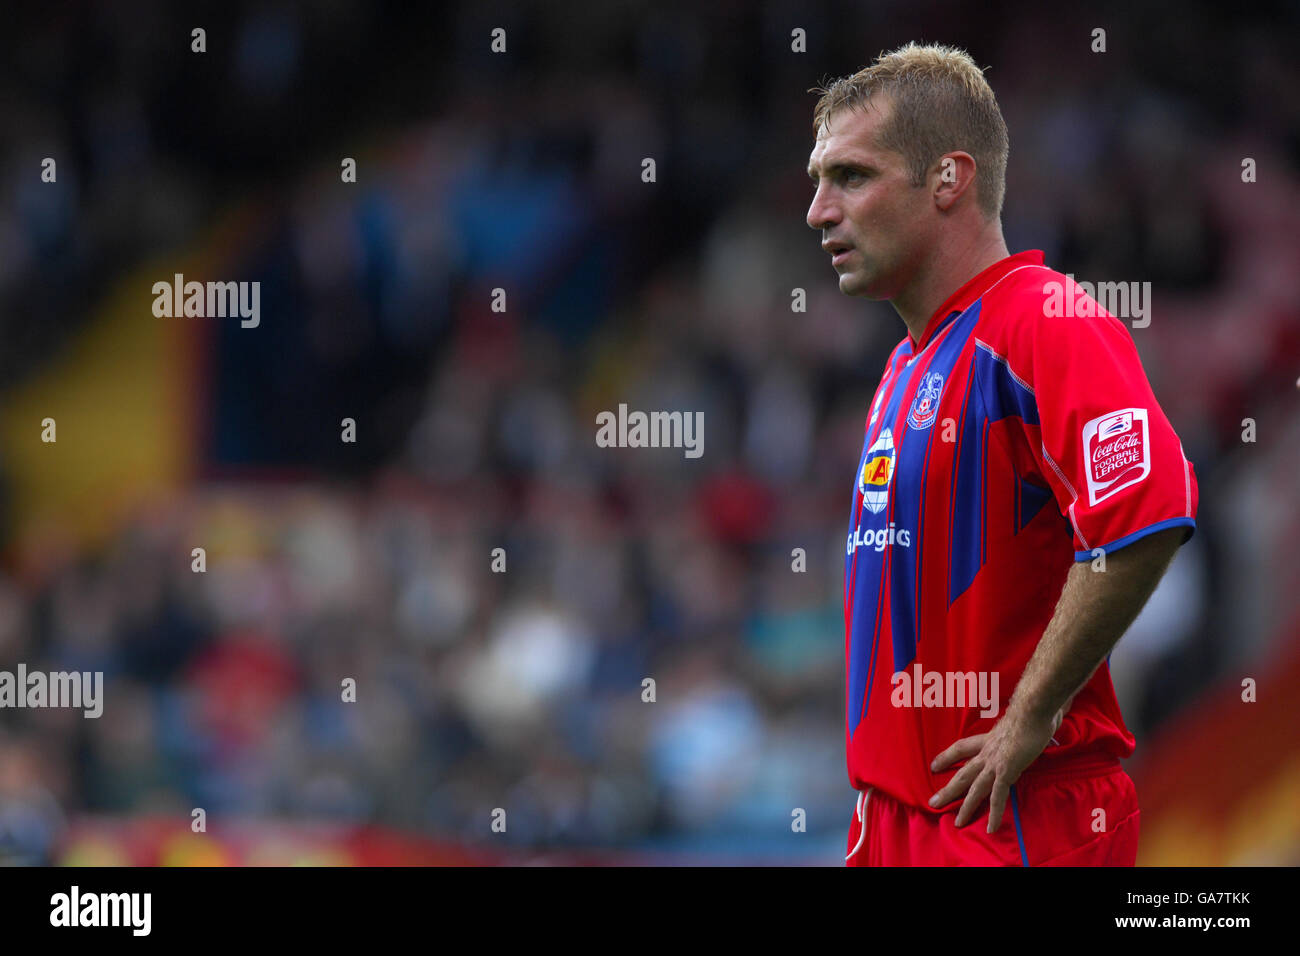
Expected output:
{"points": [[1037, 305], [1022, 292]]}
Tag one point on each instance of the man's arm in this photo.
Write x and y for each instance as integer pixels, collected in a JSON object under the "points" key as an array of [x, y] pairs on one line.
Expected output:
{"points": [[1094, 611]]}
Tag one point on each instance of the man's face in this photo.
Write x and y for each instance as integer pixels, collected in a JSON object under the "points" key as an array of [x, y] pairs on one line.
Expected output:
{"points": [[865, 205]]}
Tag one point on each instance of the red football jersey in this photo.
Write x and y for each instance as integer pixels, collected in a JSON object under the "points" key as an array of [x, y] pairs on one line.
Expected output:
{"points": [[1011, 441]]}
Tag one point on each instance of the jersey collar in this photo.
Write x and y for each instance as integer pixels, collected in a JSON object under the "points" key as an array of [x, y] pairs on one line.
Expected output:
{"points": [[966, 296]]}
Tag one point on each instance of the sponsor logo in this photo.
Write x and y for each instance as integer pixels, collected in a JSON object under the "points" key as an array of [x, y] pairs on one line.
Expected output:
{"points": [[1116, 452], [877, 539], [925, 406], [877, 471]]}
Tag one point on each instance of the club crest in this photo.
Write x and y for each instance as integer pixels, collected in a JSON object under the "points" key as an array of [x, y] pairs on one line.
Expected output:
{"points": [[925, 406]]}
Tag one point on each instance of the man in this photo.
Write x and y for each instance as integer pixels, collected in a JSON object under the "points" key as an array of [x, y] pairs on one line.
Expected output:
{"points": [[1020, 494]]}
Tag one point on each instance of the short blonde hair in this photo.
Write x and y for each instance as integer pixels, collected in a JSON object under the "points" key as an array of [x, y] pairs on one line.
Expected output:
{"points": [[941, 103]]}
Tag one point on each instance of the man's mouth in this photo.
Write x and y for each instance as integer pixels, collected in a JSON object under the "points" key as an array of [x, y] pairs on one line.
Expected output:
{"points": [[839, 251]]}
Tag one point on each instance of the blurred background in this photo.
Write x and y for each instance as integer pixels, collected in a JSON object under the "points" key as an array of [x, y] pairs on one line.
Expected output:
{"points": [[371, 559]]}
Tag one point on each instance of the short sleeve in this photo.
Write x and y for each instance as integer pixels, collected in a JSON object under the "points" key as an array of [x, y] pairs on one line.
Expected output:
{"points": [[1104, 445]]}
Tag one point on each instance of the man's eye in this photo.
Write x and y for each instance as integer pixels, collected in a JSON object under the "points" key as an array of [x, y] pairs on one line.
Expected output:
{"points": [[851, 176]]}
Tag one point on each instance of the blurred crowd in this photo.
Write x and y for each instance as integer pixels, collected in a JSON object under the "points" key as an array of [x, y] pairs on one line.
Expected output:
{"points": [[643, 663]]}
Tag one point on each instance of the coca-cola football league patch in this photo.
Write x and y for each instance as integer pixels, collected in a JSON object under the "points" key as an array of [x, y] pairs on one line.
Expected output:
{"points": [[1116, 452]]}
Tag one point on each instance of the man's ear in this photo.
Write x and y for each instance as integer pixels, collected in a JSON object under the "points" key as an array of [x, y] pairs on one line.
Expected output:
{"points": [[950, 177]]}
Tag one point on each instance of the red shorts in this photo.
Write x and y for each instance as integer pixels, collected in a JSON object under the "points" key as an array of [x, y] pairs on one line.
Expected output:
{"points": [[1066, 817]]}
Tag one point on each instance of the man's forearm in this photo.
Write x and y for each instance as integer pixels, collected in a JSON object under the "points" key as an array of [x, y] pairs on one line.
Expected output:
{"points": [[1094, 611]]}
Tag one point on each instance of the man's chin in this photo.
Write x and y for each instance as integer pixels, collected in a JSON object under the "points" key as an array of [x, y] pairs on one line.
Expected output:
{"points": [[854, 283]]}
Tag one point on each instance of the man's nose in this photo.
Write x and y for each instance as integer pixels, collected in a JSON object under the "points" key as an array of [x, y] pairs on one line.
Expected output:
{"points": [[822, 213]]}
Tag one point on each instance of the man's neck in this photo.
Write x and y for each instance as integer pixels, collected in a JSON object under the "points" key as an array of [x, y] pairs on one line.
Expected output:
{"points": [[945, 274]]}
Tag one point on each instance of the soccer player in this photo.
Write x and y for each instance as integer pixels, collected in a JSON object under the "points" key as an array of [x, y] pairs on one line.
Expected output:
{"points": [[1019, 495]]}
